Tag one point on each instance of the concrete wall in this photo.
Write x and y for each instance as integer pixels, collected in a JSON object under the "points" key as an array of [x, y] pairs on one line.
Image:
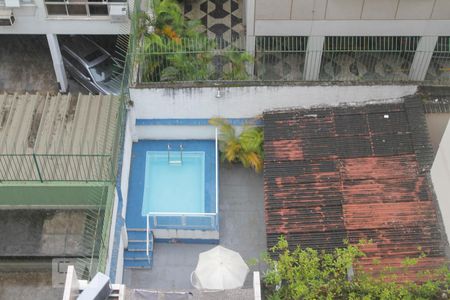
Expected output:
{"points": [[248, 102], [126, 161], [440, 175], [352, 10], [348, 17], [112, 232], [436, 123], [32, 19]]}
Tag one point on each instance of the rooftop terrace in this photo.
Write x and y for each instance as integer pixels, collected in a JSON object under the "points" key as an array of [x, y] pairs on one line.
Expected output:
{"points": [[241, 229]]}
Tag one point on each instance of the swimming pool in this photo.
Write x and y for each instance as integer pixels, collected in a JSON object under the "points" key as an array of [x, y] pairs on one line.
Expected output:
{"points": [[175, 183], [144, 205]]}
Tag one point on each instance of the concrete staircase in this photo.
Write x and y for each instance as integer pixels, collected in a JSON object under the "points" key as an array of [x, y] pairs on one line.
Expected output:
{"points": [[136, 253]]}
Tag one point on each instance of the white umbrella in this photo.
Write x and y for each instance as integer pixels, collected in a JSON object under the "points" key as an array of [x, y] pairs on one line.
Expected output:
{"points": [[219, 269]]}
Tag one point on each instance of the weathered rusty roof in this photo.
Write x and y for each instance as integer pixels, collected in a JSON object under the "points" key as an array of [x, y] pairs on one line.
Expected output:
{"points": [[352, 173], [61, 137]]}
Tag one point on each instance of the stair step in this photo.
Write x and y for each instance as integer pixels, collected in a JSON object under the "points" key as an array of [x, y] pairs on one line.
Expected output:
{"points": [[137, 264], [137, 235], [139, 246], [137, 255]]}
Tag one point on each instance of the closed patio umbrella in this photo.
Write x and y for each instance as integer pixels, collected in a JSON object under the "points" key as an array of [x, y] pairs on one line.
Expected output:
{"points": [[219, 269]]}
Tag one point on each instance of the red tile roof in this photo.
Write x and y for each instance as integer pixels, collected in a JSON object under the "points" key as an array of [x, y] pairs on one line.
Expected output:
{"points": [[353, 173]]}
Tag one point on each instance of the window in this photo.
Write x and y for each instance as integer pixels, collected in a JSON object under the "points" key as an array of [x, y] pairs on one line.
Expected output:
{"points": [[90, 8]]}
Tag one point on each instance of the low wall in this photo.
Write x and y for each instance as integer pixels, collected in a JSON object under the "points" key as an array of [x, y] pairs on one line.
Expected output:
{"points": [[440, 175], [250, 101]]}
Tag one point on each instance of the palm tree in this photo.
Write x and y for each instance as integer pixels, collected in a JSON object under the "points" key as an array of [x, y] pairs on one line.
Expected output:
{"points": [[246, 148]]}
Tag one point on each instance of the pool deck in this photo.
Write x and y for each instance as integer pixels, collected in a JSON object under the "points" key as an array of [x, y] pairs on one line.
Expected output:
{"points": [[242, 229]]}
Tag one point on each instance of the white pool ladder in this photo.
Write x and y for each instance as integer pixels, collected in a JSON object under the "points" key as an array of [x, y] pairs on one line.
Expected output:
{"points": [[175, 161]]}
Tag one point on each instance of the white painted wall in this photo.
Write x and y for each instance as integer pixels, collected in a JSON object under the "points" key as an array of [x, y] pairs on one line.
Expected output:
{"points": [[352, 9], [120, 262], [111, 233], [349, 17], [440, 175], [32, 19], [352, 27], [126, 162], [175, 132], [248, 102]]}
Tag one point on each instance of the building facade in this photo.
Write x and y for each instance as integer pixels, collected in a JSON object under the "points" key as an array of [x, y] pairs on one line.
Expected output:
{"points": [[53, 18]]}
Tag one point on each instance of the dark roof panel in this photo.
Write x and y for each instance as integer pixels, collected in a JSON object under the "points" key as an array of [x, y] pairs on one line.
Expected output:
{"points": [[356, 173]]}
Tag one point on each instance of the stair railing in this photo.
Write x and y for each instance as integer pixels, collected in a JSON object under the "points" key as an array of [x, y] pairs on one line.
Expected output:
{"points": [[147, 238]]}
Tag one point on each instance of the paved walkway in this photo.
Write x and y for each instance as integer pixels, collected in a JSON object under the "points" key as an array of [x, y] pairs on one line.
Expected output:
{"points": [[26, 64], [28, 286], [242, 229]]}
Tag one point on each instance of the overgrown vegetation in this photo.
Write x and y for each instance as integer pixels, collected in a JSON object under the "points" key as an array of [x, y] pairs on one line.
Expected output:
{"points": [[245, 148], [309, 274], [176, 49]]}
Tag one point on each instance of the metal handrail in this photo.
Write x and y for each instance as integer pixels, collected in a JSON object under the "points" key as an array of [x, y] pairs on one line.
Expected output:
{"points": [[147, 237], [217, 171], [177, 214]]}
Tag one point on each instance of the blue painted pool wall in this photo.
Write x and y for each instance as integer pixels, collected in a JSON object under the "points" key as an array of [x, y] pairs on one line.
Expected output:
{"points": [[137, 180]]}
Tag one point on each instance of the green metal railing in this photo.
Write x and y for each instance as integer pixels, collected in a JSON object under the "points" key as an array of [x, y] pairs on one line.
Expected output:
{"points": [[341, 59], [99, 219], [57, 167], [192, 60], [367, 58], [280, 58], [439, 69]]}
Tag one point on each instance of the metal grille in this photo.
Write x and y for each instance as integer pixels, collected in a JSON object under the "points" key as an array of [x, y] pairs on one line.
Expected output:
{"points": [[99, 219], [439, 69], [378, 58], [192, 60], [280, 57], [47, 167]]}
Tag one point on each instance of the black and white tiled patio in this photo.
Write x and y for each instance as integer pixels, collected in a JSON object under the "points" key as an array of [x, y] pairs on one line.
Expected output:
{"points": [[221, 19]]}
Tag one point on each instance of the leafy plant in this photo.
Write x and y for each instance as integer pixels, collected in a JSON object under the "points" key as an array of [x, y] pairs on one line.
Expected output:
{"points": [[310, 274], [245, 148], [238, 62], [178, 49]]}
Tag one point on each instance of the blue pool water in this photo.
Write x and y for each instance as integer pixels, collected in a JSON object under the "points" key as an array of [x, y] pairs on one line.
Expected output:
{"points": [[136, 203], [174, 187]]}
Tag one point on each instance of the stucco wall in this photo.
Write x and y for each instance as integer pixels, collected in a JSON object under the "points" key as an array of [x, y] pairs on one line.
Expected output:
{"points": [[352, 9], [248, 102], [440, 175], [347, 17], [32, 19], [437, 123]]}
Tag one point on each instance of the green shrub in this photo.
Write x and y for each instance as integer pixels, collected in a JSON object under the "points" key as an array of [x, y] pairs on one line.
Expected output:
{"points": [[310, 274]]}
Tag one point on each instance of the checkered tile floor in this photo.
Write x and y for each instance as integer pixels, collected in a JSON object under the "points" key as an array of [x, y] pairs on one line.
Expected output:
{"points": [[222, 19]]}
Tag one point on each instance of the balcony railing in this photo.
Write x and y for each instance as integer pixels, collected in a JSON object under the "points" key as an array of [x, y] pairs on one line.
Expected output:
{"points": [[288, 59]]}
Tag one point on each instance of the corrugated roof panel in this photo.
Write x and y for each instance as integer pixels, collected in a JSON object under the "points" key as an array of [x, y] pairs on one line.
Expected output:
{"points": [[356, 173], [60, 137]]}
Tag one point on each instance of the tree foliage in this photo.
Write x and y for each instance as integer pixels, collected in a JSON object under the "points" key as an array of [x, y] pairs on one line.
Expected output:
{"points": [[310, 274], [176, 49], [246, 148]]}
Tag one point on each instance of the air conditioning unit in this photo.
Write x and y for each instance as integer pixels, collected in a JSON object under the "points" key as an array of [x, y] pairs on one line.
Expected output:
{"points": [[118, 13], [6, 17], [12, 3]]}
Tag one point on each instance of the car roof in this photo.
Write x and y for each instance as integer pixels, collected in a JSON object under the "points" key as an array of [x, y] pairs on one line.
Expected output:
{"points": [[85, 49]]}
